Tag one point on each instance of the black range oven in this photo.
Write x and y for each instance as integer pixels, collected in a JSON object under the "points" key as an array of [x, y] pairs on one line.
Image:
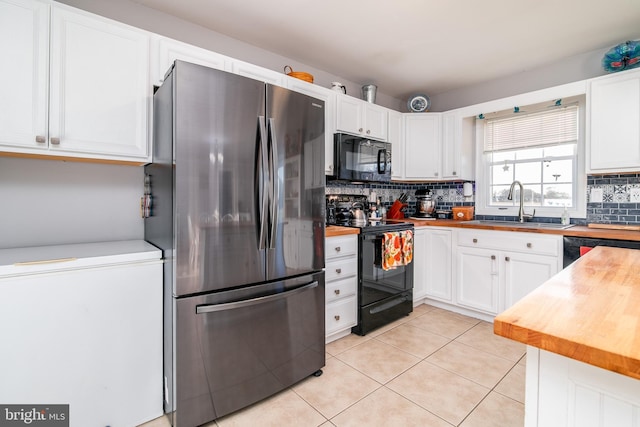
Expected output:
{"points": [[383, 295]]}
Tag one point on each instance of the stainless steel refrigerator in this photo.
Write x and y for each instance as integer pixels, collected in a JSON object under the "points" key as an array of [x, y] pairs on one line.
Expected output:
{"points": [[237, 206]]}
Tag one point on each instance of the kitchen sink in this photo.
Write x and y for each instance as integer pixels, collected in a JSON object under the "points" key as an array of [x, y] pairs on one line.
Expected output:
{"points": [[541, 225]]}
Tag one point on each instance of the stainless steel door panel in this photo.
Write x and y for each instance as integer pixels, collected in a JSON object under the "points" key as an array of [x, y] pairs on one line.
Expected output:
{"points": [[296, 136], [237, 347], [218, 179]]}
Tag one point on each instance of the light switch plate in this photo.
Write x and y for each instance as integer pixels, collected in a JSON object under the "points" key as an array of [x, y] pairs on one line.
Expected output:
{"points": [[596, 195], [634, 195]]}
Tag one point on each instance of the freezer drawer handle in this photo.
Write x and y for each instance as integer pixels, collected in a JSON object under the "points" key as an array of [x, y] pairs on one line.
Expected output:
{"points": [[247, 303], [48, 261]]}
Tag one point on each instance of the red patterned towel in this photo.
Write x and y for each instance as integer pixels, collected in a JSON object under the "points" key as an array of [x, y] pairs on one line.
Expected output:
{"points": [[397, 249]]}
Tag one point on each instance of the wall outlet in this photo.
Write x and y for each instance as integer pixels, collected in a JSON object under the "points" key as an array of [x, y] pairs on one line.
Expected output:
{"points": [[595, 195], [634, 195]]}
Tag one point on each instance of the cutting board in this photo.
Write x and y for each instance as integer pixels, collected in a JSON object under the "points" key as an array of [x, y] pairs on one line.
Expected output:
{"points": [[615, 226]]}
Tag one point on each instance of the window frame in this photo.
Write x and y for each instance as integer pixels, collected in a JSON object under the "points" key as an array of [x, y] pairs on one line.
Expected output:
{"points": [[482, 206]]}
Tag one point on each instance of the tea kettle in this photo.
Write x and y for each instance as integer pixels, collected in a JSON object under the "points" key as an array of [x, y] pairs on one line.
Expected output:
{"points": [[339, 87], [358, 213]]}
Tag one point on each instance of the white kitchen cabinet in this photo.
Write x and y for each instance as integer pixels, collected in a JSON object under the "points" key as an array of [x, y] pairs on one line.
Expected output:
{"points": [[361, 118], [329, 98], [495, 269], [168, 50], [432, 266], [457, 147], [613, 137], [422, 146], [82, 86], [24, 47], [258, 73], [341, 284], [564, 392], [395, 132], [82, 325]]}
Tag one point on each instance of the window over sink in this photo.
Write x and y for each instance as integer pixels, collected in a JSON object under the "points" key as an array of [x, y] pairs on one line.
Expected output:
{"points": [[543, 147]]}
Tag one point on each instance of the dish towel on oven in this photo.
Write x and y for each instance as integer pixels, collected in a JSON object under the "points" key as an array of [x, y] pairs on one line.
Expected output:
{"points": [[397, 249]]}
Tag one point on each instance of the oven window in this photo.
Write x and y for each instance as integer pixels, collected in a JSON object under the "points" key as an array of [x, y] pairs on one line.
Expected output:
{"points": [[378, 284]]}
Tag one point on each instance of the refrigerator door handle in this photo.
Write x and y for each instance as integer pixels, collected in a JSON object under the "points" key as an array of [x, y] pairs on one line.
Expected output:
{"points": [[274, 183], [264, 170], [210, 308]]}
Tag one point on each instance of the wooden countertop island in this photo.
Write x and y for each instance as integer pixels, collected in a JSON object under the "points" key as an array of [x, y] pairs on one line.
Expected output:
{"points": [[589, 312]]}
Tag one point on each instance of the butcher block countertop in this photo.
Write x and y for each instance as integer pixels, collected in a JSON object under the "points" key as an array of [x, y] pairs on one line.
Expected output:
{"points": [[589, 312], [575, 231], [336, 230]]}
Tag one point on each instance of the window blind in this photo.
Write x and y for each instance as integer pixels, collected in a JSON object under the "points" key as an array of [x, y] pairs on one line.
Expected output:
{"points": [[536, 129]]}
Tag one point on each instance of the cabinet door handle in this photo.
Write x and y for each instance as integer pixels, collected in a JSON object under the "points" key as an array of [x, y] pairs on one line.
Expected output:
{"points": [[493, 257], [336, 317], [41, 139], [368, 131], [360, 130], [454, 173], [338, 270], [337, 248], [475, 240], [55, 141], [337, 291], [529, 245], [435, 174], [507, 258]]}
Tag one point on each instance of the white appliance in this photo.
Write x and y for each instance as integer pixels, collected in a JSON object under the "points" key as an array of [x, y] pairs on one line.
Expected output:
{"points": [[81, 325]]}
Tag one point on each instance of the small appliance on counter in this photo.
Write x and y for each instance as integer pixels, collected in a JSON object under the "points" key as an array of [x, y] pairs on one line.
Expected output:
{"points": [[425, 205]]}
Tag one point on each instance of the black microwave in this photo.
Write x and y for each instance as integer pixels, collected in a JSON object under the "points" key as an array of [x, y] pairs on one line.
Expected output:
{"points": [[361, 159]]}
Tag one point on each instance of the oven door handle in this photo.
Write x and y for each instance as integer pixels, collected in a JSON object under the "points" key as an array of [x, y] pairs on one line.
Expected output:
{"points": [[210, 308], [382, 163]]}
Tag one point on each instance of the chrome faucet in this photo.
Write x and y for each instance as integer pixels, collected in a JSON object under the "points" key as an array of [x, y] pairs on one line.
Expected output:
{"points": [[521, 214]]}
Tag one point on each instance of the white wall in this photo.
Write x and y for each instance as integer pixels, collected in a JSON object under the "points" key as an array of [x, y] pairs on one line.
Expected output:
{"points": [[578, 67], [55, 202]]}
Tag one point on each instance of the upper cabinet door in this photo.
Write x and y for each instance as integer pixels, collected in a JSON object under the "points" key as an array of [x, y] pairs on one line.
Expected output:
{"points": [[613, 143], [349, 115], [422, 146], [375, 121], [169, 50], [24, 37], [100, 87]]}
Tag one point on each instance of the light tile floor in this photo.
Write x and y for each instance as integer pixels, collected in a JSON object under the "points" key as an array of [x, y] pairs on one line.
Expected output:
{"points": [[433, 368]]}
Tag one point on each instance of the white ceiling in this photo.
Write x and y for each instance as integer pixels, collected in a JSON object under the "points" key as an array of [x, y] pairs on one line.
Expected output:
{"points": [[409, 46]]}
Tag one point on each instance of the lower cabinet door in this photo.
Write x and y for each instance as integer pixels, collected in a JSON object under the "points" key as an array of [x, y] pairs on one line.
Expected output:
{"points": [[524, 272], [340, 315], [478, 279]]}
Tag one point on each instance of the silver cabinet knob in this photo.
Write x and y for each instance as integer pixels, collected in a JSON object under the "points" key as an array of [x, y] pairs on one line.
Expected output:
{"points": [[336, 317], [337, 248], [507, 258], [55, 141], [360, 130], [41, 139], [493, 257], [337, 291], [368, 131], [455, 173], [529, 245], [435, 174], [338, 270], [475, 240]]}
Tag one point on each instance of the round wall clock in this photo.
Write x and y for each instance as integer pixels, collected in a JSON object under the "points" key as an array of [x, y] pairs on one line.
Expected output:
{"points": [[419, 103]]}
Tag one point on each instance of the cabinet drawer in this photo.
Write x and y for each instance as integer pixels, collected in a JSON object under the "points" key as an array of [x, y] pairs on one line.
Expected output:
{"points": [[341, 315], [341, 268], [341, 288], [510, 241], [340, 246]]}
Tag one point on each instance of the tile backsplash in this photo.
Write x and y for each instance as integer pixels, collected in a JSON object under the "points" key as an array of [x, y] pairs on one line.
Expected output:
{"points": [[446, 194], [613, 199]]}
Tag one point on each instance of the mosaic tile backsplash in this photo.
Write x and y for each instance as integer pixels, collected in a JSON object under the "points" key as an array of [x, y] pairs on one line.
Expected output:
{"points": [[611, 199], [446, 194]]}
